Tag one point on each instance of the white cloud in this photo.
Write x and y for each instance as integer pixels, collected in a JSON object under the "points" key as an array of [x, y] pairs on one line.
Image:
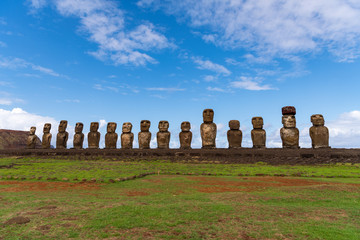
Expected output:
{"points": [[104, 23], [273, 27], [161, 89], [249, 83], [2, 44], [210, 78], [215, 89], [36, 4], [68, 101], [208, 65]]}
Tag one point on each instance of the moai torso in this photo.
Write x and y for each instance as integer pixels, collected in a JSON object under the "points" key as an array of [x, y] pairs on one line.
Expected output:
{"points": [[144, 136], [258, 134], [111, 136], [185, 136], [208, 129], [94, 136], [46, 138], [234, 135], [127, 137], [289, 133], [62, 136], [32, 138], [78, 136], [163, 136], [318, 132]]}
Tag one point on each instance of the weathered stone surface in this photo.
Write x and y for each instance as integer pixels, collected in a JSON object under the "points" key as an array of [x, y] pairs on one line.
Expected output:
{"points": [[234, 135], [94, 136], [127, 137], [208, 129], [289, 133], [144, 136], [185, 135], [111, 136], [258, 134], [46, 138], [318, 132], [78, 136], [288, 110], [163, 136], [32, 138], [62, 136]]}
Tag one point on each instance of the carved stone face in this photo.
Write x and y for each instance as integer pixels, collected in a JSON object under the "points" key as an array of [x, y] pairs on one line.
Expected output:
{"points": [[185, 126], [145, 125], [257, 122], [317, 120], [32, 130], [289, 121], [79, 127], [126, 127], [163, 126], [234, 124], [62, 126], [47, 128], [208, 116], [94, 126], [111, 127]]}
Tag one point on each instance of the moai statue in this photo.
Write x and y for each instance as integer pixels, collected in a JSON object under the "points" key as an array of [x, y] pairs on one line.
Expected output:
{"points": [[208, 129], [94, 136], [185, 136], [163, 136], [127, 137], [46, 138], [111, 136], [258, 134], [289, 133], [79, 136], [144, 136], [318, 132], [234, 135], [62, 136], [32, 138]]}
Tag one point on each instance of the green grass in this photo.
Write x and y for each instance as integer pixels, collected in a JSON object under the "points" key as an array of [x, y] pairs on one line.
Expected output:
{"points": [[176, 206]]}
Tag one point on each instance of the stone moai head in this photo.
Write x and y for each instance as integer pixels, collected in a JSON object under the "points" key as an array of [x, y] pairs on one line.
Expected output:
{"points": [[94, 126], [47, 128], [111, 127], [127, 127], [185, 126], [208, 116], [317, 120], [257, 122], [32, 130], [163, 126], [288, 118], [234, 125], [79, 127], [63, 126], [145, 125]]}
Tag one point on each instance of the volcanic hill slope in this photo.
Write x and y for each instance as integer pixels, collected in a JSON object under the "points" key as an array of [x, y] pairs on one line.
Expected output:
{"points": [[14, 139]]}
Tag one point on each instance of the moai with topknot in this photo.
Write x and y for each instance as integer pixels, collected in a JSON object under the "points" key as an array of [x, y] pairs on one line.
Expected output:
{"points": [[32, 139], [234, 135], [46, 138], [111, 136], [318, 132], [62, 136], [144, 136], [94, 136], [289, 133], [208, 129], [185, 135], [258, 134], [127, 137], [78, 136], [163, 136]]}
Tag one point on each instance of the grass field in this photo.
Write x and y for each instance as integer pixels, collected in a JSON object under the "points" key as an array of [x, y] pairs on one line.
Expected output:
{"points": [[180, 201]]}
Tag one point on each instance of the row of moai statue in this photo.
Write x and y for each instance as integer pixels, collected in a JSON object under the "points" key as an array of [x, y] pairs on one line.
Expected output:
{"points": [[289, 133]]}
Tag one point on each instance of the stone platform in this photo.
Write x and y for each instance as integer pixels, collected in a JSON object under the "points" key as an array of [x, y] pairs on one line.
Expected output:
{"points": [[273, 156]]}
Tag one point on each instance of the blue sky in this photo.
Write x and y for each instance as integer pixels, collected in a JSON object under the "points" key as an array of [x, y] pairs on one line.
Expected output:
{"points": [[103, 60]]}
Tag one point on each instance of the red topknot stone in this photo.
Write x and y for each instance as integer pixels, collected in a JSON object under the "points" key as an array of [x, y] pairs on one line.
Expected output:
{"points": [[288, 110]]}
